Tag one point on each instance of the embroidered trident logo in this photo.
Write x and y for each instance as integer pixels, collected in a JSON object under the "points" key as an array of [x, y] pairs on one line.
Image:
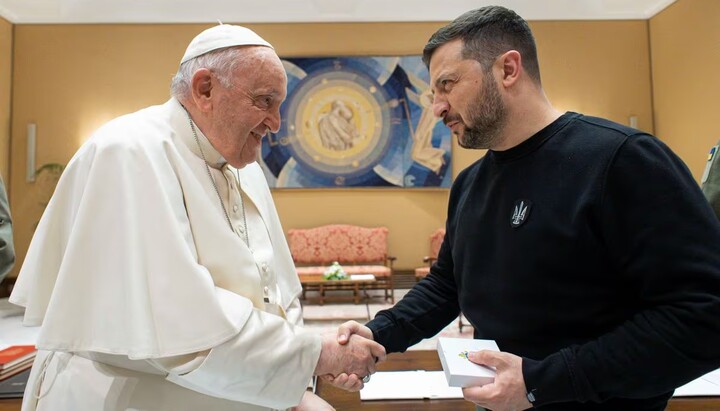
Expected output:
{"points": [[520, 213]]}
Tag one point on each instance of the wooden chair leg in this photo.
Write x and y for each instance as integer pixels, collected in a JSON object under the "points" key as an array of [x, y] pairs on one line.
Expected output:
{"points": [[391, 290]]}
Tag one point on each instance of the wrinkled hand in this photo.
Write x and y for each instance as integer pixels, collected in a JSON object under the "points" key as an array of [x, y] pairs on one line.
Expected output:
{"points": [[357, 356], [508, 392], [346, 382], [311, 402], [349, 382]]}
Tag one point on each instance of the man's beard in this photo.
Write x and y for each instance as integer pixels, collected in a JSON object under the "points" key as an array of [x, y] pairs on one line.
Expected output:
{"points": [[487, 116]]}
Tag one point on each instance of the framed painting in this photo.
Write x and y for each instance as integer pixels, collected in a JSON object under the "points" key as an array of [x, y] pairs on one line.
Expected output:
{"points": [[358, 122]]}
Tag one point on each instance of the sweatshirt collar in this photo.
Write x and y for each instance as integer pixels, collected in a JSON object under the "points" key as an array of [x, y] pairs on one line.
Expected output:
{"points": [[534, 142]]}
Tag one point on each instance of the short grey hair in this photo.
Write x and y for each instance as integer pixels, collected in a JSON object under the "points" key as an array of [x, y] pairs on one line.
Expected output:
{"points": [[221, 62]]}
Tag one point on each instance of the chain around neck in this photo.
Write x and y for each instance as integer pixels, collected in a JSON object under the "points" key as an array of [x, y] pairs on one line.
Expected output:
{"points": [[246, 237]]}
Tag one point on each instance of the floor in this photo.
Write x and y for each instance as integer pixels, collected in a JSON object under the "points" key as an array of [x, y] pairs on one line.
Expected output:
{"points": [[327, 318]]}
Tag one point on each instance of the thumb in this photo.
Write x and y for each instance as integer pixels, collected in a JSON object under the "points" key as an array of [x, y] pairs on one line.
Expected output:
{"points": [[377, 351], [346, 330], [486, 357]]}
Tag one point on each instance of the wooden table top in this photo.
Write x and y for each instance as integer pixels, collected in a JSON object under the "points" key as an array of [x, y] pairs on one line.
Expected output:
{"points": [[429, 361], [424, 360], [410, 360]]}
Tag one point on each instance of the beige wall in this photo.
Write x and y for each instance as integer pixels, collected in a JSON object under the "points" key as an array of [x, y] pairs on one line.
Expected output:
{"points": [[6, 38], [70, 79], [597, 68], [685, 46]]}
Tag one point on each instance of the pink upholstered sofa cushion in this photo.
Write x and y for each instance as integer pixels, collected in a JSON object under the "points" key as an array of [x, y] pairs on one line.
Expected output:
{"points": [[346, 244], [436, 240]]}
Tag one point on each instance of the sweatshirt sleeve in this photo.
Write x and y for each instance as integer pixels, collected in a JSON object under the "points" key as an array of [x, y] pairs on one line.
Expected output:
{"points": [[431, 304], [664, 243]]}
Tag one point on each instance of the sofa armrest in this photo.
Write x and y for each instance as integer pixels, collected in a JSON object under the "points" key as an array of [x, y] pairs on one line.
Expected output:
{"points": [[429, 260]]}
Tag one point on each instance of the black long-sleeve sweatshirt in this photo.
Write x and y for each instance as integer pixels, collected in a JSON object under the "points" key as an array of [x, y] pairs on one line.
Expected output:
{"points": [[590, 251]]}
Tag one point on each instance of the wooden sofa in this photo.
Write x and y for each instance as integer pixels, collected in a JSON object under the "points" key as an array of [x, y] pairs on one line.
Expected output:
{"points": [[359, 250]]}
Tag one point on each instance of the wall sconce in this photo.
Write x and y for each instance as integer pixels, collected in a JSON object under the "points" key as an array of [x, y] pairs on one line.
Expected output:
{"points": [[633, 121], [31, 135]]}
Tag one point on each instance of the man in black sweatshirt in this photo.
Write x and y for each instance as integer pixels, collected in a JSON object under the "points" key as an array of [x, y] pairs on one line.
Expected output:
{"points": [[583, 247]]}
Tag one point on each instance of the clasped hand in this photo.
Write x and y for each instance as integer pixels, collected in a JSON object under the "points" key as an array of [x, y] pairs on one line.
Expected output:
{"points": [[357, 356], [347, 380]]}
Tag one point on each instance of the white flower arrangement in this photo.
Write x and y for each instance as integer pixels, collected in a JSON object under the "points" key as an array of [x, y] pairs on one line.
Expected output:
{"points": [[335, 272]]}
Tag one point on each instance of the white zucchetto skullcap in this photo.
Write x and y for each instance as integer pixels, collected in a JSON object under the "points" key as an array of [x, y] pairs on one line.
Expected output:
{"points": [[221, 36]]}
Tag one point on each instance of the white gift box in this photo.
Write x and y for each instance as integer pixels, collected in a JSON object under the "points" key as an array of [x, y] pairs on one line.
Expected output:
{"points": [[459, 371]]}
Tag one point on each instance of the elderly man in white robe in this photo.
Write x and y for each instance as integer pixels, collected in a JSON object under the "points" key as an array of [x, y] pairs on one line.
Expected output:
{"points": [[159, 273]]}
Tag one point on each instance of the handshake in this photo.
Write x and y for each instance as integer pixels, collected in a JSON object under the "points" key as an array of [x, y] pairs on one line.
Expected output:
{"points": [[349, 358]]}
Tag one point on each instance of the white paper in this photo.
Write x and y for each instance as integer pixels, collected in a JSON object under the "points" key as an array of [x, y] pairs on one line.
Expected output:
{"points": [[12, 332], [706, 386], [403, 385], [358, 277], [713, 377], [7, 309]]}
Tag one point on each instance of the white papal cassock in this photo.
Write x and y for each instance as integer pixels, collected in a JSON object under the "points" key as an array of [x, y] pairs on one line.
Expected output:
{"points": [[146, 298]]}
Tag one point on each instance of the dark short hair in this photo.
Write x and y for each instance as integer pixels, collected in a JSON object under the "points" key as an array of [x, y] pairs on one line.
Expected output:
{"points": [[486, 33]]}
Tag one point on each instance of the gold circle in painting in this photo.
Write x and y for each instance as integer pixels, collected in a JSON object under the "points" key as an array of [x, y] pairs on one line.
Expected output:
{"points": [[365, 117]]}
